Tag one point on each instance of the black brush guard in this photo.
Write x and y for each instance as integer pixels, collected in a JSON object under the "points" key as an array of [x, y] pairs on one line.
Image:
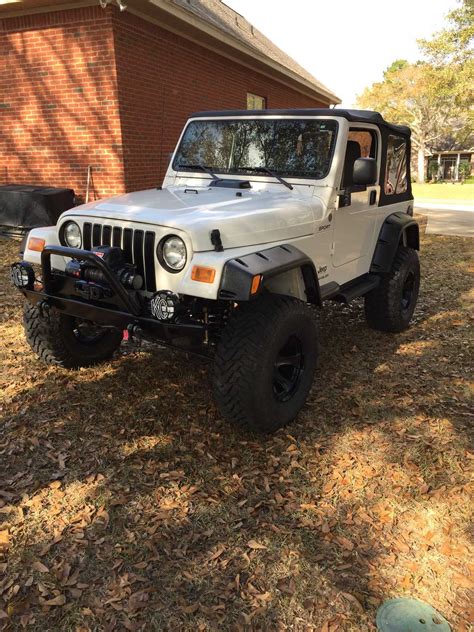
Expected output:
{"points": [[126, 313]]}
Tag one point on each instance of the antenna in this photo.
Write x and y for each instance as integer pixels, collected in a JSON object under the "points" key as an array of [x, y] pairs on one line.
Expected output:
{"points": [[121, 5]]}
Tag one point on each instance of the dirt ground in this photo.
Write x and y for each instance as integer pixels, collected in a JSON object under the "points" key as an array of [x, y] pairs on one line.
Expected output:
{"points": [[126, 503]]}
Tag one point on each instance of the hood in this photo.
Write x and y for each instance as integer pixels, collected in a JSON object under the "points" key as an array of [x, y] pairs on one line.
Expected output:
{"points": [[244, 217]]}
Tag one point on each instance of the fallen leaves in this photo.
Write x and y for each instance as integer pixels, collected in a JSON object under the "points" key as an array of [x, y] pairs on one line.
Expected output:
{"points": [[39, 567], [60, 600], [4, 540], [125, 499], [253, 544]]}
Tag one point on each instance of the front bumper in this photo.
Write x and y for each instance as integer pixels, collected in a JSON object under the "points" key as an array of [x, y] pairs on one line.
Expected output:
{"points": [[122, 308]]}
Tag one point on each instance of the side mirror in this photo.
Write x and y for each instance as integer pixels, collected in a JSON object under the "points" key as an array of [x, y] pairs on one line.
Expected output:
{"points": [[365, 171]]}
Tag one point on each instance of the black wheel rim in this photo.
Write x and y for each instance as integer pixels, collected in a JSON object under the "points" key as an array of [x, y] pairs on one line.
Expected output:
{"points": [[86, 332], [288, 369], [408, 291]]}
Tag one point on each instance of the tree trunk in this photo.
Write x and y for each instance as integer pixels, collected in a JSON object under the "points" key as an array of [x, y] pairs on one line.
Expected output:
{"points": [[421, 163]]}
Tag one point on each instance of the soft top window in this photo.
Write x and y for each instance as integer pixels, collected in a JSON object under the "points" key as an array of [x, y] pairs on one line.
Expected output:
{"points": [[396, 180], [298, 148]]}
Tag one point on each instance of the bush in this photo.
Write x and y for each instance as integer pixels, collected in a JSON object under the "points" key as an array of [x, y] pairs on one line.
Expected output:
{"points": [[433, 171], [464, 171]]}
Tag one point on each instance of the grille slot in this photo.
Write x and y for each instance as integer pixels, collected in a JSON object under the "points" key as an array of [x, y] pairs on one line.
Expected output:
{"points": [[127, 244], [106, 235], [97, 235], [150, 261], [117, 237], [138, 247], [87, 230], [138, 251]]}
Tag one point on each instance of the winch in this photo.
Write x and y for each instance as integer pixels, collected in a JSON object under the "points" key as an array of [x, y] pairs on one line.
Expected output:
{"points": [[114, 258]]}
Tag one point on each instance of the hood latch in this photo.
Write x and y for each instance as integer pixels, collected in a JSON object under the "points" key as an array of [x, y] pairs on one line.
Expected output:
{"points": [[216, 240]]}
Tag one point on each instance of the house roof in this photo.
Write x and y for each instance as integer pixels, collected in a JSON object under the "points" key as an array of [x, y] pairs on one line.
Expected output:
{"points": [[211, 23], [232, 23]]}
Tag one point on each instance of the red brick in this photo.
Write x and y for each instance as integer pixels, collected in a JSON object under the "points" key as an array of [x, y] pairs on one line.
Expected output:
{"points": [[87, 86]]}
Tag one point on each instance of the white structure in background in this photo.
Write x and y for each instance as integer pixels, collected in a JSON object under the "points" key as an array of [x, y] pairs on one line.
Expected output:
{"points": [[449, 163], [121, 5]]}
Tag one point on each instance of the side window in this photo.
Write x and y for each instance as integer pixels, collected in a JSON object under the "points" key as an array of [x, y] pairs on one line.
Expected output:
{"points": [[255, 102], [361, 143], [367, 142], [396, 173]]}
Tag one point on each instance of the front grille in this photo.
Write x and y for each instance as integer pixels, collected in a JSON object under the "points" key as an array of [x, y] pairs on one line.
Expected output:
{"points": [[138, 247]]}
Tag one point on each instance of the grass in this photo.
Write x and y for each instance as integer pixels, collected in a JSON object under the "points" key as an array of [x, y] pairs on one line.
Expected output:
{"points": [[444, 191], [127, 503]]}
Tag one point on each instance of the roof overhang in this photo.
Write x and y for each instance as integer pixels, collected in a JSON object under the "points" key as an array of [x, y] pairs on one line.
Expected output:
{"points": [[185, 23]]}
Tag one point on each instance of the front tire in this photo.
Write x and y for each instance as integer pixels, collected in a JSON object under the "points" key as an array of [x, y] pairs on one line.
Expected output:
{"points": [[265, 362], [62, 340], [391, 305]]}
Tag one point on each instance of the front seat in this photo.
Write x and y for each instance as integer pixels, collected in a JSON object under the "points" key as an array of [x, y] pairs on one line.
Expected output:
{"points": [[353, 152]]}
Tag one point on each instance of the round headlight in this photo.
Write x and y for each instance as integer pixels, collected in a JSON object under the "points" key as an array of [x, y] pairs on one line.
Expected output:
{"points": [[172, 253], [72, 235]]}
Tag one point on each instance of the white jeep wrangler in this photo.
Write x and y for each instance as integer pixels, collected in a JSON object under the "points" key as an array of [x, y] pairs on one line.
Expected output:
{"points": [[261, 215]]}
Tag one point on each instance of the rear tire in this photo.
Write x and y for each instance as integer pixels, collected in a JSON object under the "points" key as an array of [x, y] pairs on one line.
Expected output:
{"points": [[265, 362], [62, 340], [391, 305]]}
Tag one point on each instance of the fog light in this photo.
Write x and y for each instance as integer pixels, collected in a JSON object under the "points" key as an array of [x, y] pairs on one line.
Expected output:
{"points": [[22, 275], [163, 305]]}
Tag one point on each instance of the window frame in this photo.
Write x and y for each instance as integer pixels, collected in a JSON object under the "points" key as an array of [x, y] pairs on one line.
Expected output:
{"points": [[254, 96], [385, 178], [375, 132], [254, 176]]}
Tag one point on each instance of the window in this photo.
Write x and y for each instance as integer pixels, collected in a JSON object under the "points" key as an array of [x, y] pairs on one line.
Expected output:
{"points": [[361, 143], [367, 142], [396, 173], [254, 102], [299, 148]]}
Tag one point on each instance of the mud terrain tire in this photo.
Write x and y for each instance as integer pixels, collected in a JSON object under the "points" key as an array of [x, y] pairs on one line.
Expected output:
{"points": [[265, 362], [59, 339], [390, 307]]}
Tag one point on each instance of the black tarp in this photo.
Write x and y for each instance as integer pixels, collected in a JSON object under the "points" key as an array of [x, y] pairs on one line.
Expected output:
{"points": [[26, 206]]}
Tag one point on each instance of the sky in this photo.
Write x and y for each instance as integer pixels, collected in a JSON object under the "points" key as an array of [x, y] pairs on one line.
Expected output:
{"points": [[346, 44]]}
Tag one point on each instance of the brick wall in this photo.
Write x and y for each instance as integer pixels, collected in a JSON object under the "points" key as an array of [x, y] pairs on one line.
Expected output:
{"points": [[88, 86], [162, 78], [58, 101]]}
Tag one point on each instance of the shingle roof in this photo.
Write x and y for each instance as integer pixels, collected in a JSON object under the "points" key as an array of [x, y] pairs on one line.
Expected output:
{"points": [[232, 23]]}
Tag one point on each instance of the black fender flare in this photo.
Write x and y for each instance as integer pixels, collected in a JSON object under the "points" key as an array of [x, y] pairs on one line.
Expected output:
{"points": [[238, 273], [398, 228]]}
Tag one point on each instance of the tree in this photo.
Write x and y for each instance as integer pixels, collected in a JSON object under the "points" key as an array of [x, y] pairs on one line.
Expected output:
{"points": [[453, 44], [432, 96], [451, 51], [416, 95]]}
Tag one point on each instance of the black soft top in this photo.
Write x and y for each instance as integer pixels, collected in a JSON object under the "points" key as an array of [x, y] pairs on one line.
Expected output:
{"points": [[359, 116]]}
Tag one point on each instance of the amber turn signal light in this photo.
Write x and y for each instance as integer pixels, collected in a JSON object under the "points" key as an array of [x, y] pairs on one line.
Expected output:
{"points": [[257, 279], [36, 244], [202, 274]]}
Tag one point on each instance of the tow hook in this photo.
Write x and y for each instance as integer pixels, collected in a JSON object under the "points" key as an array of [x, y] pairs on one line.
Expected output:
{"points": [[135, 333]]}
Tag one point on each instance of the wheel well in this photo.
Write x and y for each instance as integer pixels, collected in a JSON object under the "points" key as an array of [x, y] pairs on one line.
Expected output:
{"points": [[398, 229], [300, 282], [284, 269], [411, 237]]}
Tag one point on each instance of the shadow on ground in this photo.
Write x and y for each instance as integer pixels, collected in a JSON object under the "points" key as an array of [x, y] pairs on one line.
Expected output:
{"points": [[129, 504]]}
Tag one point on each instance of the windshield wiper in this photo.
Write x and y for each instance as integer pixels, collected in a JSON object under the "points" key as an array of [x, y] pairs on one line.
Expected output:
{"points": [[270, 173], [203, 168]]}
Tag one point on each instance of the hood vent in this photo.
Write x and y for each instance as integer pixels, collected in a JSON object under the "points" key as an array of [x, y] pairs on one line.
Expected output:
{"points": [[231, 184]]}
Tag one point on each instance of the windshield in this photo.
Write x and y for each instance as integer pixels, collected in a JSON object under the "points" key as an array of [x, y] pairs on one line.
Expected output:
{"points": [[295, 148]]}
